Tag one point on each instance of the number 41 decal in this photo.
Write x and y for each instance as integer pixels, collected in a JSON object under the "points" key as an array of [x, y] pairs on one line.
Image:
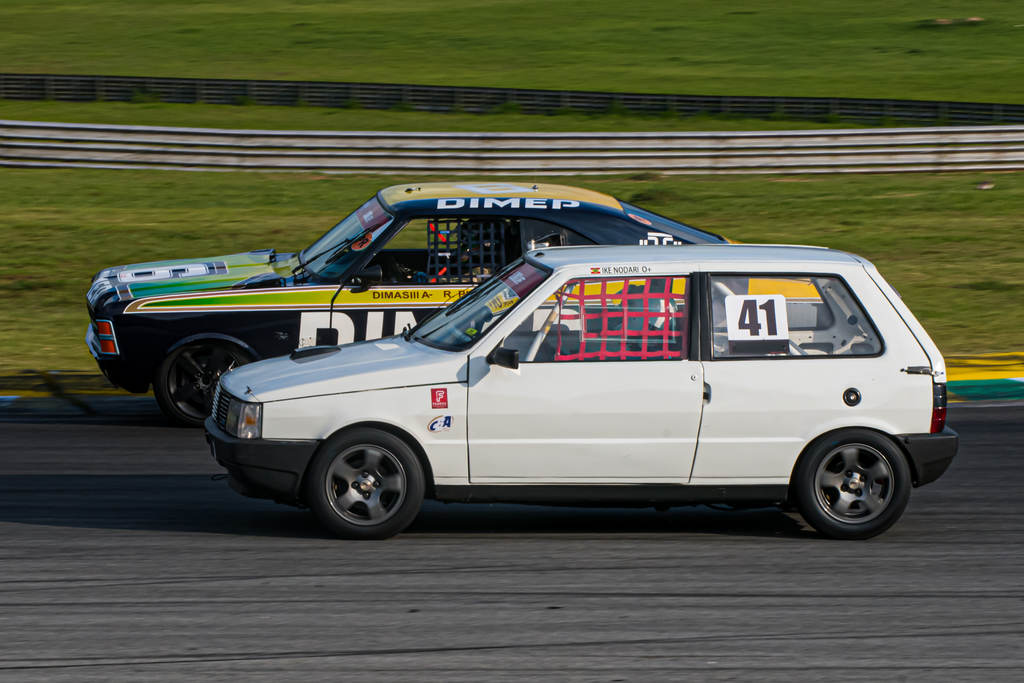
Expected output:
{"points": [[756, 317]]}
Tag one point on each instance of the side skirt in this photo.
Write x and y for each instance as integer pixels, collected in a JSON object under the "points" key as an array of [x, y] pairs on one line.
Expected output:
{"points": [[613, 495]]}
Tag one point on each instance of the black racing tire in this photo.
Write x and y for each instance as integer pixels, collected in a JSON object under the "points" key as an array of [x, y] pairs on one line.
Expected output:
{"points": [[852, 484], [187, 378], [364, 484]]}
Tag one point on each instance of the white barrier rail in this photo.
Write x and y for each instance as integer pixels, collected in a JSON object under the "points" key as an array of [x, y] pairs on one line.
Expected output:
{"points": [[35, 144]]}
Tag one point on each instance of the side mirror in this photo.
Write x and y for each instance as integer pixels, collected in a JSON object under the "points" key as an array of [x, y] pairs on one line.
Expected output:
{"points": [[506, 358], [362, 280], [326, 336]]}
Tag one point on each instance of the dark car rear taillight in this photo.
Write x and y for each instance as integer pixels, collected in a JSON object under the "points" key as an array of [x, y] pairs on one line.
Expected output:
{"points": [[938, 407]]}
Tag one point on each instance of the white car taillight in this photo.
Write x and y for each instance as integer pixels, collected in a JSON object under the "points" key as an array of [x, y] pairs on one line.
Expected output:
{"points": [[938, 407]]}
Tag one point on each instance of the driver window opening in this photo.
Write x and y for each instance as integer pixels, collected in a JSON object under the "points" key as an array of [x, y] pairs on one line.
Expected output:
{"points": [[449, 250], [607, 319], [464, 250]]}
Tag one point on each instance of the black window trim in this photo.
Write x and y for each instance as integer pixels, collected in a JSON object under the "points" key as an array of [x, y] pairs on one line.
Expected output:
{"points": [[706, 323]]}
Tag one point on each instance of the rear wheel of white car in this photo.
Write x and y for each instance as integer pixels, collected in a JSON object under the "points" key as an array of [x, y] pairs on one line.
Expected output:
{"points": [[365, 483], [852, 484], [188, 376]]}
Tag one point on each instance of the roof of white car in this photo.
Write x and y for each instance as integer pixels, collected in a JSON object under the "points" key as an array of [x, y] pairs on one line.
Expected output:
{"points": [[558, 257]]}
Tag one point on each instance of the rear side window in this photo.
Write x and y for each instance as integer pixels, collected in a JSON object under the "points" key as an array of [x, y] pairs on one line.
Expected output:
{"points": [[541, 235], [755, 316], [607, 319]]}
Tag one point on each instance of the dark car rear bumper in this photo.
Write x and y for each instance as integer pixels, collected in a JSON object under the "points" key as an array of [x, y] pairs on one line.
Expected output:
{"points": [[261, 468], [930, 454]]}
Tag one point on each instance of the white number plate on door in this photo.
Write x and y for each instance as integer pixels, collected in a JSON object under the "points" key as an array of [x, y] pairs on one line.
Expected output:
{"points": [[756, 317]]}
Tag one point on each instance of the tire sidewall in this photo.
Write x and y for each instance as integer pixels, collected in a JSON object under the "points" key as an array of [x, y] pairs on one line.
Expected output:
{"points": [[161, 387], [805, 485], [315, 493]]}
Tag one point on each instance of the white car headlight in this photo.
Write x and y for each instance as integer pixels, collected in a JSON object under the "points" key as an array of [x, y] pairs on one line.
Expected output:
{"points": [[244, 419]]}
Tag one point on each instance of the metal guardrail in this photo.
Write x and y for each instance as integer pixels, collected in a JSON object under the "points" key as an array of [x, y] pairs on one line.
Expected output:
{"points": [[34, 144], [77, 88]]}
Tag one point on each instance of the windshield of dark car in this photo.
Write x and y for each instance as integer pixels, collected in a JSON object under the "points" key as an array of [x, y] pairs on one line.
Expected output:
{"points": [[330, 256], [458, 326]]}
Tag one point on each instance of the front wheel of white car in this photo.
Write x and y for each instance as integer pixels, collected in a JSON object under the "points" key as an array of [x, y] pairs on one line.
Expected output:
{"points": [[852, 484], [365, 484]]}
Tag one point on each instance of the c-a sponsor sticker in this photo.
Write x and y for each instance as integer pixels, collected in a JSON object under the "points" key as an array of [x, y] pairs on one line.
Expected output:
{"points": [[441, 423], [622, 269], [439, 398]]}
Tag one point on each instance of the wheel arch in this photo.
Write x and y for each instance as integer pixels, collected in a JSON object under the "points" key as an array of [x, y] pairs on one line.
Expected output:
{"points": [[159, 374], [213, 336], [398, 432], [900, 446]]}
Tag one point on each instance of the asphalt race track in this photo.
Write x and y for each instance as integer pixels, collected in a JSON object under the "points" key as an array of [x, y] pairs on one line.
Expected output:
{"points": [[122, 560]]}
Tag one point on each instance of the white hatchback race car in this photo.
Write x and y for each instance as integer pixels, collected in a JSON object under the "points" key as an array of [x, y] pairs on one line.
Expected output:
{"points": [[624, 376]]}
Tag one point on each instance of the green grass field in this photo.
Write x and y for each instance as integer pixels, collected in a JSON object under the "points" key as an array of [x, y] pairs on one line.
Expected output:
{"points": [[827, 48], [953, 251]]}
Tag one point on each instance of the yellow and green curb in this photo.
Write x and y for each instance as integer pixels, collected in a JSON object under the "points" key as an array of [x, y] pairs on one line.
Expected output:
{"points": [[987, 377]]}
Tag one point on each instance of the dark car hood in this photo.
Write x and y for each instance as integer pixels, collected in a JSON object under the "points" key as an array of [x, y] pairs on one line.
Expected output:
{"points": [[260, 268]]}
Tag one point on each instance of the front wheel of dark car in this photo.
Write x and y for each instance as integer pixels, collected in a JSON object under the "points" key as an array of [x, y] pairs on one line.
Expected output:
{"points": [[852, 484], [365, 484], [188, 376]]}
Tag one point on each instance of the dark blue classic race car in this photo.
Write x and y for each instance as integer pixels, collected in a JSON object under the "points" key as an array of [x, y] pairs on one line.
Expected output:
{"points": [[407, 251]]}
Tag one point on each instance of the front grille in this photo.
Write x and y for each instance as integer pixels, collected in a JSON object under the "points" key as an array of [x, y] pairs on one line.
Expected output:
{"points": [[221, 399]]}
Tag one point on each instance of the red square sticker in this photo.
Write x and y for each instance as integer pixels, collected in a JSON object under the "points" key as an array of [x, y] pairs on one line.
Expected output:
{"points": [[439, 398]]}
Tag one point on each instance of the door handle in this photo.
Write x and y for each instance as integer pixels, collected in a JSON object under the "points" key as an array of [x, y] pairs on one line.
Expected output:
{"points": [[918, 370], [707, 392]]}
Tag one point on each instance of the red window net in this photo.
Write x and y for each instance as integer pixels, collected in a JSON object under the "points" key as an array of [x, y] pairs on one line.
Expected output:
{"points": [[622, 319]]}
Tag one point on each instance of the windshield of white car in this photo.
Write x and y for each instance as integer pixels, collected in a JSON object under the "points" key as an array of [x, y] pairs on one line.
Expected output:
{"points": [[329, 257], [458, 326]]}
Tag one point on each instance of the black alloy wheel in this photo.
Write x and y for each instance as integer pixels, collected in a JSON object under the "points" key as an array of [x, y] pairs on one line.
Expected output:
{"points": [[365, 484], [186, 380], [852, 484]]}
